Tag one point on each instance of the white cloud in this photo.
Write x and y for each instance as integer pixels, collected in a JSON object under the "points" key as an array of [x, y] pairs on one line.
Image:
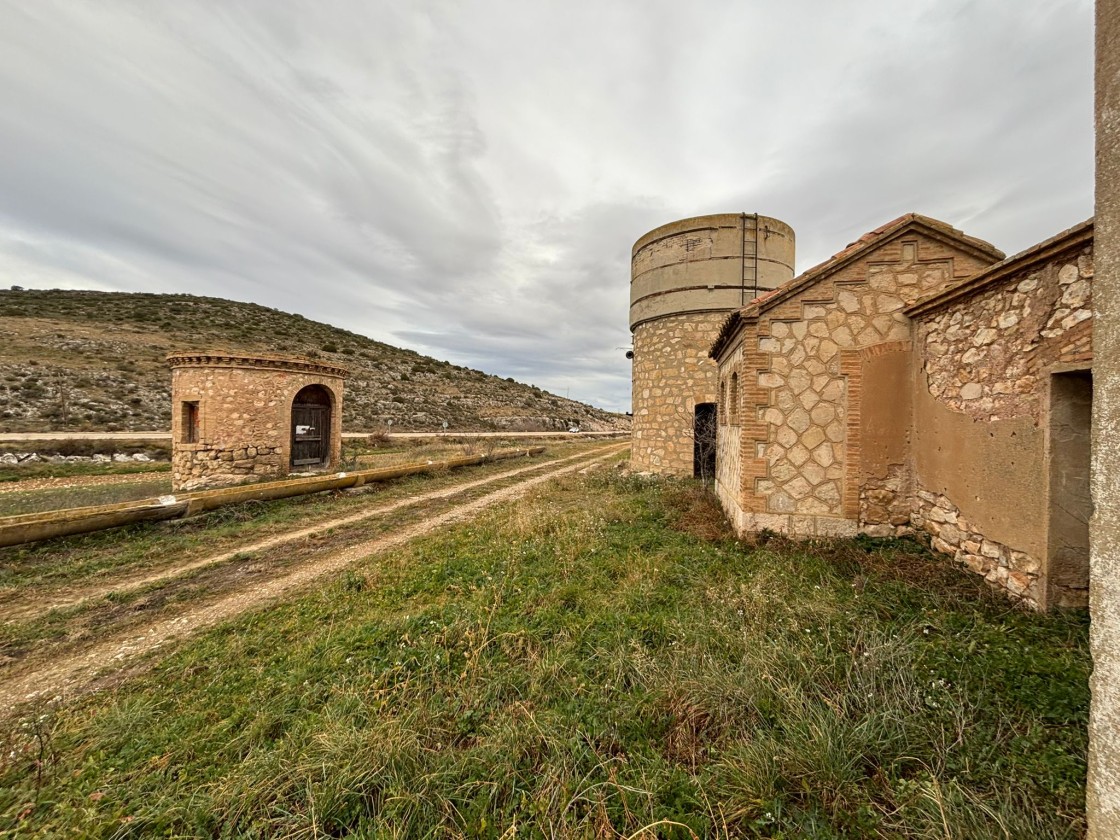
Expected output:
{"points": [[468, 178]]}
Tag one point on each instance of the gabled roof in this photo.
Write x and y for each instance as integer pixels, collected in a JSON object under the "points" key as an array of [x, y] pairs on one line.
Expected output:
{"points": [[1074, 237], [853, 251]]}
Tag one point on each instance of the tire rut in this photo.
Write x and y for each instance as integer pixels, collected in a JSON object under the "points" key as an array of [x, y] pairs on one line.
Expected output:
{"points": [[106, 661], [41, 603]]}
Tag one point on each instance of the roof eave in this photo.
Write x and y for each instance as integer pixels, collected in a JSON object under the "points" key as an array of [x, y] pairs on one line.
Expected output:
{"points": [[858, 250]]}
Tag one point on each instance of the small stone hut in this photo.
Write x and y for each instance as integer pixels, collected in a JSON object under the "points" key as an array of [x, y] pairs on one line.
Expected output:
{"points": [[238, 418], [919, 381]]}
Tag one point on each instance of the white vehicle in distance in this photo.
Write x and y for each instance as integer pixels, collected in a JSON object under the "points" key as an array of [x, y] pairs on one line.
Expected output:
{"points": [[574, 430]]}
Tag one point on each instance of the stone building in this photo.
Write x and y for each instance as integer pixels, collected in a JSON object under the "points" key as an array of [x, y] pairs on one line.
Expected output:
{"points": [[238, 418], [918, 380], [686, 277]]}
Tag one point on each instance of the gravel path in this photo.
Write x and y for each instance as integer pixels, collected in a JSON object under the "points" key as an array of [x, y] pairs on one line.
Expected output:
{"points": [[114, 657]]}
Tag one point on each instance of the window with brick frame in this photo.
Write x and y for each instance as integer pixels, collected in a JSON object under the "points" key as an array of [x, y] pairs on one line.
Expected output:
{"points": [[723, 403], [733, 400]]}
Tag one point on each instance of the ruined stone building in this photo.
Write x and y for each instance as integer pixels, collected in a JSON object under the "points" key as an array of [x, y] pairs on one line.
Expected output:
{"points": [[916, 380]]}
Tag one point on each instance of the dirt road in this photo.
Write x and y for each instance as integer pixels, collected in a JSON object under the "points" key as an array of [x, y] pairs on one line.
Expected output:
{"points": [[18, 437], [104, 659]]}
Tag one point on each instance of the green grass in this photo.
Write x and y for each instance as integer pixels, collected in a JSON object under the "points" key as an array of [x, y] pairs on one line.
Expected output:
{"points": [[149, 545], [54, 631], [19, 502], [68, 470], [595, 659]]}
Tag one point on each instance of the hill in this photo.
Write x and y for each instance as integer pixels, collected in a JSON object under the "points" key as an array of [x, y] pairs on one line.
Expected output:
{"points": [[75, 360]]}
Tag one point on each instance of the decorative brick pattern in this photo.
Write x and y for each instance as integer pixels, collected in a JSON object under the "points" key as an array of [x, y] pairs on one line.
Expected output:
{"points": [[801, 366], [1002, 344], [811, 376]]}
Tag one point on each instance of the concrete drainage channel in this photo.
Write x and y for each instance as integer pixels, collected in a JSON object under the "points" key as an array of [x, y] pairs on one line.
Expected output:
{"points": [[32, 527]]}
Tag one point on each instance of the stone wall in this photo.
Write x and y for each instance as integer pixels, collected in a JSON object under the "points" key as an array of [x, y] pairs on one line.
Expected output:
{"points": [[884, 503], [806, 449], [244, 416], [986, 355], [912, 382], [729, 430], [1001, 565], [671, 374]]}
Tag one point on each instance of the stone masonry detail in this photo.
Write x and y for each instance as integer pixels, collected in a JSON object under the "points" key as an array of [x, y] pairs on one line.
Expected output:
{"points": [[884, 504], [984, 357], [1002, 567], [728, 432], [243, 416], [672, 373], [807, 411], [919, 380]]}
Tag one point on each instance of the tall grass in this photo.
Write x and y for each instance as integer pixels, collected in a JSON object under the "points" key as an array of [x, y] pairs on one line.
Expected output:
{"points": [[598, 660]]}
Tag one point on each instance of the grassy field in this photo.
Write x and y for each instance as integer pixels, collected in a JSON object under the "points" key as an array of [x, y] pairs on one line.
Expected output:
{"points": [[599, 659], [27, 569], [154, 479]]}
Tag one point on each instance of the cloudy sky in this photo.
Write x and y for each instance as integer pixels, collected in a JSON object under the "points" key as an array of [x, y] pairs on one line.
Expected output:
{"points": [[467, 178]]}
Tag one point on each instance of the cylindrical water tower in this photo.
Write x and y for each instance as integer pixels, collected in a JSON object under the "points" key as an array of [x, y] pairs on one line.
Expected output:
{"points": [[685, 278]]}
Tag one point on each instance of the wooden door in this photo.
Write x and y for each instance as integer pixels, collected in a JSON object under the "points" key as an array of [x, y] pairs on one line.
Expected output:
{"points": [[311, 429]]}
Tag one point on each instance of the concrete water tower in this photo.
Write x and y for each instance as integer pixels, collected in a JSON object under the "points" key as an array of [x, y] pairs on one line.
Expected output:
{"points": [[685, 278]]}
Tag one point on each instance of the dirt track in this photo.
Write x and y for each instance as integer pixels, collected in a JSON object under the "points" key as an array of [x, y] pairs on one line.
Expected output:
{"points": [[104, 660]]}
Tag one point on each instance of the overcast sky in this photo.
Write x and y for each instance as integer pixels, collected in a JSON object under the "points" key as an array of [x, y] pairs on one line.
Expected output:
{"points": [[467, 178]]}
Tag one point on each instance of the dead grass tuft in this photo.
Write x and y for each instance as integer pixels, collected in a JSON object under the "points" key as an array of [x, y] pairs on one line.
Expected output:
{"points": [[697, 513]]}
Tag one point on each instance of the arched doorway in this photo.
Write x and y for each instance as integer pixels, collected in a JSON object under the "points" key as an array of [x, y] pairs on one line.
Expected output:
{"points": [[311, 427]]}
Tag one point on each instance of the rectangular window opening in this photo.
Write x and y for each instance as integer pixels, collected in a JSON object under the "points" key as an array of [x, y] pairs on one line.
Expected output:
{"points": [[190, 422]]}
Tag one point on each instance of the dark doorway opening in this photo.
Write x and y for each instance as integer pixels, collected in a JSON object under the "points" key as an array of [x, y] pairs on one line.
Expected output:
{"points": [[311, 427], [704, 442], [1071, 506]]}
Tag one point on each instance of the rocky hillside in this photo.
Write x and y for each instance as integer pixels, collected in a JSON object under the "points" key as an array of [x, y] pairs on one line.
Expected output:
{"points": [[95, 360]]}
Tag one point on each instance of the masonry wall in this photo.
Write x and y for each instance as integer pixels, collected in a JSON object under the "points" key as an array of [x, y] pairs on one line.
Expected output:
{"points": [[686, 277], [244, 431], [728, 435], [983, 367], [802, 461], [671, 374]]}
